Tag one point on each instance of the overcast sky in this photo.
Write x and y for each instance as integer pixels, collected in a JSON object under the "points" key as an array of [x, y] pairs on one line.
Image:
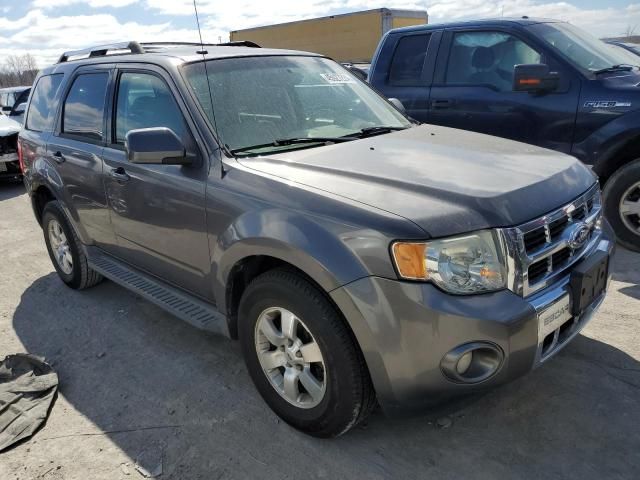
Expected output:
{"points": [[48, 27]]}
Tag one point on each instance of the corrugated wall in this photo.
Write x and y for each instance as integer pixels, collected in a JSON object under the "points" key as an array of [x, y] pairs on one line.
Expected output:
{"points": [[352, 37]]}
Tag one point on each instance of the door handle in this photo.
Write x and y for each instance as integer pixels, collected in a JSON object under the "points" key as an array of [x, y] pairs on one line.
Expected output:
{"points": [[119, 174], [441, 104], [59, 157]]}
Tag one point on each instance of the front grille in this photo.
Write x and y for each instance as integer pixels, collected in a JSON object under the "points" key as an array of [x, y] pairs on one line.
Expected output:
{"points": [[547, 246]]}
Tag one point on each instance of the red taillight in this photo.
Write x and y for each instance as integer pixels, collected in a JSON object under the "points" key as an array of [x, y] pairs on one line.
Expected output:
{"points": [[20, 158]]}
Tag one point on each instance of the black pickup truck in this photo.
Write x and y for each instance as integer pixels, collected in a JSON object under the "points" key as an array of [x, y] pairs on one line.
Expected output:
{"points": [[542, 82]]}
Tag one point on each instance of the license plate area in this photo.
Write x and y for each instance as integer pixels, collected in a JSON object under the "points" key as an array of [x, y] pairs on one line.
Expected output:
{"points": [[552, 317], [589, 281]]}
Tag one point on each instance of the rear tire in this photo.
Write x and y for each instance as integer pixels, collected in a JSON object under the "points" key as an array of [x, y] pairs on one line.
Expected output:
{"points": [[341, 393], [65, 249], [621, 201]]}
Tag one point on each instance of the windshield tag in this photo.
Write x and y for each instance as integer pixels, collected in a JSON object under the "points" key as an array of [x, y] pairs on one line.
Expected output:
{"points": [[606, 104], [337, 78]]}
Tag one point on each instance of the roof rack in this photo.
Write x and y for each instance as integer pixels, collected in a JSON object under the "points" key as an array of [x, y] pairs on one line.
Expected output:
{"points": [[102, 50], [144, 47]]}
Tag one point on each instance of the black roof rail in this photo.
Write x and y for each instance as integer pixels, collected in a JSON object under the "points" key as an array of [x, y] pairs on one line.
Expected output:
{"points": [[146, 45], [102, 50], [239, 43], [242, 43]]}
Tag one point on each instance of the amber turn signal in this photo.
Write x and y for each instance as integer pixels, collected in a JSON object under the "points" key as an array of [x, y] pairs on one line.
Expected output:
{"points": [[410, 260]]}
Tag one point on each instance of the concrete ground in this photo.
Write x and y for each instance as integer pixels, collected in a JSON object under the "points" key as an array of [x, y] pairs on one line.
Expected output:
{"points": [[138, 384]]}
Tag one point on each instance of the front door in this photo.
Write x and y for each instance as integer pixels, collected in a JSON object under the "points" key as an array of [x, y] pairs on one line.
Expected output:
{"points": [[474, 90], [158, 211]]}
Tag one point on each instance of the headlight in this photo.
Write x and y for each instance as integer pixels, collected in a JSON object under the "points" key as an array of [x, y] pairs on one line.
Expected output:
{"points": [[471, 263]]}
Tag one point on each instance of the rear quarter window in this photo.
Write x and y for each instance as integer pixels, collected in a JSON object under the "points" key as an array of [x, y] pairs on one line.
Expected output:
{"points": [[42, 108]]}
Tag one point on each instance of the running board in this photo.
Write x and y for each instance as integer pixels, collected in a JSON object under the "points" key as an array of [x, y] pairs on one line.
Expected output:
{"points": [[184, 306]]}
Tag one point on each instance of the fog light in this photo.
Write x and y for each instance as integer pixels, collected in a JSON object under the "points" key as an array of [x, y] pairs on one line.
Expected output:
{"points": [[464, 363], [472, 362]]}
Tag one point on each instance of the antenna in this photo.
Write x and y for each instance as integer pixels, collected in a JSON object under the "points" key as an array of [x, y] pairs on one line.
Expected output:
{"points": [[203, 52]]}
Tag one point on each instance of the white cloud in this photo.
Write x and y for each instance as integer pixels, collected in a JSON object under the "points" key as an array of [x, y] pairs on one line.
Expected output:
{"points": [[47, 35], [53, 4]]}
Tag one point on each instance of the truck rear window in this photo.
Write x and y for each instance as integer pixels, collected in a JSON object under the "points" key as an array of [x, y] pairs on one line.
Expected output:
{"points": [[42, 108]]}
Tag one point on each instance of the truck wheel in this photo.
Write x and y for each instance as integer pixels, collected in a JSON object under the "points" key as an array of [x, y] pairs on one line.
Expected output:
{"points": [[622, 204], [64, 249], [301, 356]]}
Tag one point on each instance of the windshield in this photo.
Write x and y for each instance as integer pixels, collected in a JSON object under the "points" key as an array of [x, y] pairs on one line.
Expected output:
{"points": [[583, 50], [261, 100]]}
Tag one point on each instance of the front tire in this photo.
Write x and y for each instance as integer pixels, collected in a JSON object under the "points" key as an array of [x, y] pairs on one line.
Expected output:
{"points": [[301, 356], [65, 249], [622, 204]]}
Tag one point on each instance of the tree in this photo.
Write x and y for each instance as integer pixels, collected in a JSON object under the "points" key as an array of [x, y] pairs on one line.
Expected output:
{"points": [[630, 31], [18, 70]]}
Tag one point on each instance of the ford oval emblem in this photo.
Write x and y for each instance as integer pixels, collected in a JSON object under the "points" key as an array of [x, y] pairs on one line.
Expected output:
{"points": [[579, 236]]}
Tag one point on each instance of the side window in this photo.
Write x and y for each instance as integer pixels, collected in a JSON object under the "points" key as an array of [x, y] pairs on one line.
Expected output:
{"points": [[487, 58], [408, 60], [42, 108], [84, 107], [145, 101]]}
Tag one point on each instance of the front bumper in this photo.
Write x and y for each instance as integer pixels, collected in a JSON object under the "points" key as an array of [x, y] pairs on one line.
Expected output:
{"points": [[9, 166], [405, 329]]}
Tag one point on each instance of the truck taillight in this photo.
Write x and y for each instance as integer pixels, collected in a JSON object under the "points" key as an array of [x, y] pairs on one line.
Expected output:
{"points": [[20, 158]]}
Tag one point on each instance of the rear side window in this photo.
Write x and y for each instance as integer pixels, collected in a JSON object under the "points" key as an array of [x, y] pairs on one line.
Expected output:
{"points": [[145, 101], [408, 60], [84, 107], [42, 108]]}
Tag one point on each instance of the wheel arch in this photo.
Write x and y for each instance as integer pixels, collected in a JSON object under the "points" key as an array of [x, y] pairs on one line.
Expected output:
{"points": [[622, 152], [260, 241]]}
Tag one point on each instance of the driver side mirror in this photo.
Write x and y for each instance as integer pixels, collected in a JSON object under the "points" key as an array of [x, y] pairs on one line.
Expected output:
{"points": [[19, 109], [156, 146], [534, 78], [398, 104], [6, 110]]}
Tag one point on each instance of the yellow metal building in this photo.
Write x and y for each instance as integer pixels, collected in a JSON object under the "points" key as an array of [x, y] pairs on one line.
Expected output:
{"points": [[351, 37]]}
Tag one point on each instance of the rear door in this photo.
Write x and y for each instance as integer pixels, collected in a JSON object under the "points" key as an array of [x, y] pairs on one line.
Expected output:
{"points": [[473, 89], [404, 70], [158, 211], [76, 146]]}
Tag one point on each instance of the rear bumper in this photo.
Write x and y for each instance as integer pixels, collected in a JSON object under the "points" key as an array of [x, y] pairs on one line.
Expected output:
{"points": [[405, 330]]}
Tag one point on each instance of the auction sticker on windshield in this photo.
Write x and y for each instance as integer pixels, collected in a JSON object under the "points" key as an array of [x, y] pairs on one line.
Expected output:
{"points": [[337, 78]]}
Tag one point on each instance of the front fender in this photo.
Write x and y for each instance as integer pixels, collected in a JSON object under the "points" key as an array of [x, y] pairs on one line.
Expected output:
{"points": [[322, 248], [603, 144]]}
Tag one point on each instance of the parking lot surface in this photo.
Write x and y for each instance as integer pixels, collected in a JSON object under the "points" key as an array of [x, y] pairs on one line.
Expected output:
{"points": [[136, 384]]}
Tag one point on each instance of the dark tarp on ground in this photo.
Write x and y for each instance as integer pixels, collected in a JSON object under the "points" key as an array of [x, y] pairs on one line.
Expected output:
{"points": [[27, 389]]}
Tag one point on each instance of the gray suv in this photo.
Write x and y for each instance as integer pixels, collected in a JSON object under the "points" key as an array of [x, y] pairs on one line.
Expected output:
{"points": [[272, 196]]}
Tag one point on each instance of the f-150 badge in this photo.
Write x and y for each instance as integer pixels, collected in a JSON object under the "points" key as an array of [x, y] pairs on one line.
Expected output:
{"points": [[606, 104]]}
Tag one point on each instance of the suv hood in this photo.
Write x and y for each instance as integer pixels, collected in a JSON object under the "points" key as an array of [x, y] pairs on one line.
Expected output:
{"points": [[8, 126], [447, 181]]}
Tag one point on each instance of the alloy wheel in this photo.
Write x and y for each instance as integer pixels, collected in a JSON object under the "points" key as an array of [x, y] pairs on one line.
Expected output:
{"points": [[290, 357], [60, 247], [630, 208]]}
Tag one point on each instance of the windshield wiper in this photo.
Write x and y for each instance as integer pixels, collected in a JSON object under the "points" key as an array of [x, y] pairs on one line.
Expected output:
{"points": [[621, 67], [283, 142], [371, 131]]}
